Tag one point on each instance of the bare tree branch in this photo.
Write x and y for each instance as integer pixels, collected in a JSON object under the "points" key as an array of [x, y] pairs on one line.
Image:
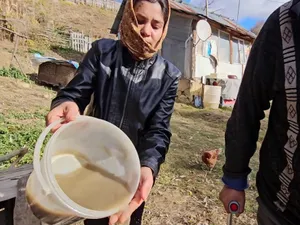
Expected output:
{"points": [[257, 27], [211, 2]]}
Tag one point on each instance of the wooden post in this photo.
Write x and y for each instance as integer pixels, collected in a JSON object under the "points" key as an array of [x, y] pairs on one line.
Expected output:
{"points": [[206, 8], [231, 49], [15, 50], [194, 49]]}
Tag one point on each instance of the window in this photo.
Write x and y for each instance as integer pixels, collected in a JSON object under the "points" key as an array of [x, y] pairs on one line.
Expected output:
{"points": [[224, 47], [242, 52], [238, 51], [219, 45], [247, 50], [235, 51]]}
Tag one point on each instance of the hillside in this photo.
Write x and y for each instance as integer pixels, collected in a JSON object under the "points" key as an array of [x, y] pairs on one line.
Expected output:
{"points": [[47, 24]]}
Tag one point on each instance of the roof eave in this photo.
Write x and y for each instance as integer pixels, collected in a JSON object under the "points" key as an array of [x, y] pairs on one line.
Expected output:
{"points": [[191, 13]]}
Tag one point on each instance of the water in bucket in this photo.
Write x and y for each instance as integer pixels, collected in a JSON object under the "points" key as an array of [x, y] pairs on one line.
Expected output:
{"points": [[90, 169]]}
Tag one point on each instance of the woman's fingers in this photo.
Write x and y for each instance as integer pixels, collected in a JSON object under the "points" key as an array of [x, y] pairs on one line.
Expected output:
{"points": [[70, 112], [67, 110]]}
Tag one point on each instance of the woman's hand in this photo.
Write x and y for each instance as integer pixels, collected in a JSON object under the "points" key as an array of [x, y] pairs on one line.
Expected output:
{"points": [[140, 196], [67, 110]]}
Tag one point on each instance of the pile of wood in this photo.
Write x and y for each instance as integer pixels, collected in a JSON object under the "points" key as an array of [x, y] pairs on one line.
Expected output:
{"points": [[56, 73], [9, 180]]}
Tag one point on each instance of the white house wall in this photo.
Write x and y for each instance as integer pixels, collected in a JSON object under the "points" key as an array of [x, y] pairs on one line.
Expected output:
{"points": [[204, 68]]}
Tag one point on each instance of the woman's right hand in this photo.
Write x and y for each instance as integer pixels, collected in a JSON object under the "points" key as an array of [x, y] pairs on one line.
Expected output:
{"points": [[67, 110]]}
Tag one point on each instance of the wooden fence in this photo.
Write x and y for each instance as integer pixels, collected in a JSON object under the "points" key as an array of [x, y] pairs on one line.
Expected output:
{"points": [[106, 4], [80, 42]]}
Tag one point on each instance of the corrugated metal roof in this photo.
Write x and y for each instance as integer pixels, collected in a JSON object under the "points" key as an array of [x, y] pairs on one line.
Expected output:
{"points": [[239, 28], [182, 7], [189, 9]]}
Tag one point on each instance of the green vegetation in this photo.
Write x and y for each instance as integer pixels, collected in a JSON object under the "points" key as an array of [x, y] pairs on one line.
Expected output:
{"points": [[20, 130], [14, 73]]}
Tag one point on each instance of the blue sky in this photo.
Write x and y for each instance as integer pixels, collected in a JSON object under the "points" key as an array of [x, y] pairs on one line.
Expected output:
{"points": [[251, 11], [248, 22]]}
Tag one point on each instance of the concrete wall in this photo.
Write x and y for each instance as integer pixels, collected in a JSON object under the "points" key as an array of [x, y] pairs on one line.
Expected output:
{"points": [[187, 88], [204, 68]]}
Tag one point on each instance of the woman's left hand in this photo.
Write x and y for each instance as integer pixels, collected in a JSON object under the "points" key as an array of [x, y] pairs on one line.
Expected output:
{"points": [[140, 196]]}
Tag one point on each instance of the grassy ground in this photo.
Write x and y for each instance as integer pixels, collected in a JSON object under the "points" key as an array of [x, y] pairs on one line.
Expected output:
{"points": [[185, 192], [22, 110]]}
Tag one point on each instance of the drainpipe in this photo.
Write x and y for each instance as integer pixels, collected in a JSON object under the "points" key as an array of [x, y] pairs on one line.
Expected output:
{"points": [[194, 49], [193, 38], [187, 40]]}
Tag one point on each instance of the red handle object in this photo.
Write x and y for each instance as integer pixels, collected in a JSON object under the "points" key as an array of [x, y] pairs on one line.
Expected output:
{"points": [[234, 207]]}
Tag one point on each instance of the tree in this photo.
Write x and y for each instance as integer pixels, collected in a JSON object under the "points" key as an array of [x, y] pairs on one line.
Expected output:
{"points": [[210, 2], [257, 27]]}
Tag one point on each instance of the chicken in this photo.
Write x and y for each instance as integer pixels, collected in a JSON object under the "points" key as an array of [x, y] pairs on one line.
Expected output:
{"points": [[210, 157]]}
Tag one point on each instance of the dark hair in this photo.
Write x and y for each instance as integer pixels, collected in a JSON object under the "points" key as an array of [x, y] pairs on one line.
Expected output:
{"points": [[163, 4]]}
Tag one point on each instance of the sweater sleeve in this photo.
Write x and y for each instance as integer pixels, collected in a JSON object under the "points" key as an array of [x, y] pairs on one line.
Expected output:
{"points": [[255, 94]]}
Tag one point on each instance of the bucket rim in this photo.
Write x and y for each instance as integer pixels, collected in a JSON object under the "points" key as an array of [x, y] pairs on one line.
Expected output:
{"points": [[62, 197]]}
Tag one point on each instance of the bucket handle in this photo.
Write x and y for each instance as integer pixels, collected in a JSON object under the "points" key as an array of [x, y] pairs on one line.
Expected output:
{"points": [[36, 156]]}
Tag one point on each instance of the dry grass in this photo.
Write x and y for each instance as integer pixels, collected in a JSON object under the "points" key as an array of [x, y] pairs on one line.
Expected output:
{"points": [[17, 96], [185, 192]]}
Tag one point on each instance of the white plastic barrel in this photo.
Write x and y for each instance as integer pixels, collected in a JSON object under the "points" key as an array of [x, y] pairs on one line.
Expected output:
{"points": [[82, 152], [211, 96]]}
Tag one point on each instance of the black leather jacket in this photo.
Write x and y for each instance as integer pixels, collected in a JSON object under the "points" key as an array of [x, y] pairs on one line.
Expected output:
{"points": [[138, 97]]}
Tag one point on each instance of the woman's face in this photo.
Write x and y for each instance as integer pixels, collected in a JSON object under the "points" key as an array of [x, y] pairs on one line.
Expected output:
{"points": [[150, 21]]}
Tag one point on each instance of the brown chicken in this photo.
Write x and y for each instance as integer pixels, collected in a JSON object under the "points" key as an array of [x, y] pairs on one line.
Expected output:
{"points": [[210, 157]]}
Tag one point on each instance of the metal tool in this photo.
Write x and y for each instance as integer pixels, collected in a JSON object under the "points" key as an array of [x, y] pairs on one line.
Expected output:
{"points": [[234, 208]]}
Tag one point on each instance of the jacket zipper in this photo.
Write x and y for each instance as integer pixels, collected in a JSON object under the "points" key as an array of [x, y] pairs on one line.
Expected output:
{"points": [[126, 98]]}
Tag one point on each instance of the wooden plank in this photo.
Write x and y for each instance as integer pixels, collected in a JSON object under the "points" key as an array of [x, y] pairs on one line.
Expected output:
{"points": [[9, 180], [22, 213], [13, 186]]}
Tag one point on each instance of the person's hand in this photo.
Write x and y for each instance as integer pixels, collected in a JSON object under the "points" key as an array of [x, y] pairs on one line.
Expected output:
{"points": [[66, 110], [227, 195], [145, 186]]}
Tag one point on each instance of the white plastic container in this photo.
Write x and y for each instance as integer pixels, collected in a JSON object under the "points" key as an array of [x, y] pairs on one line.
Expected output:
{"points": [[103, 145], [211, 96]]}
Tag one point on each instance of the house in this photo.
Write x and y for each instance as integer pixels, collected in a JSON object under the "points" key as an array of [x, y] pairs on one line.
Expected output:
{"points": [[224, 53]]}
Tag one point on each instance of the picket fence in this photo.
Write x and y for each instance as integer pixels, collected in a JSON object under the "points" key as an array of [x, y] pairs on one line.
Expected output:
{"points": [[80, 42], [106, 4]]}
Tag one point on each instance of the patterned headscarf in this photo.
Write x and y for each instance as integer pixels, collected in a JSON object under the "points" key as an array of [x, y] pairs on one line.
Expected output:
{"points": [[131, 37]]}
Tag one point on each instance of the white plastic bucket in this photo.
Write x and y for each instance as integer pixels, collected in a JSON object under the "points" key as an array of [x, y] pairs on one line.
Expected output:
{"points": [[211, 96], [102, 144]]}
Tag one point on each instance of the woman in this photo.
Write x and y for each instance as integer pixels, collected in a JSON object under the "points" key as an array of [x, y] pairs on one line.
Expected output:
{"points": [[133, 88]]}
